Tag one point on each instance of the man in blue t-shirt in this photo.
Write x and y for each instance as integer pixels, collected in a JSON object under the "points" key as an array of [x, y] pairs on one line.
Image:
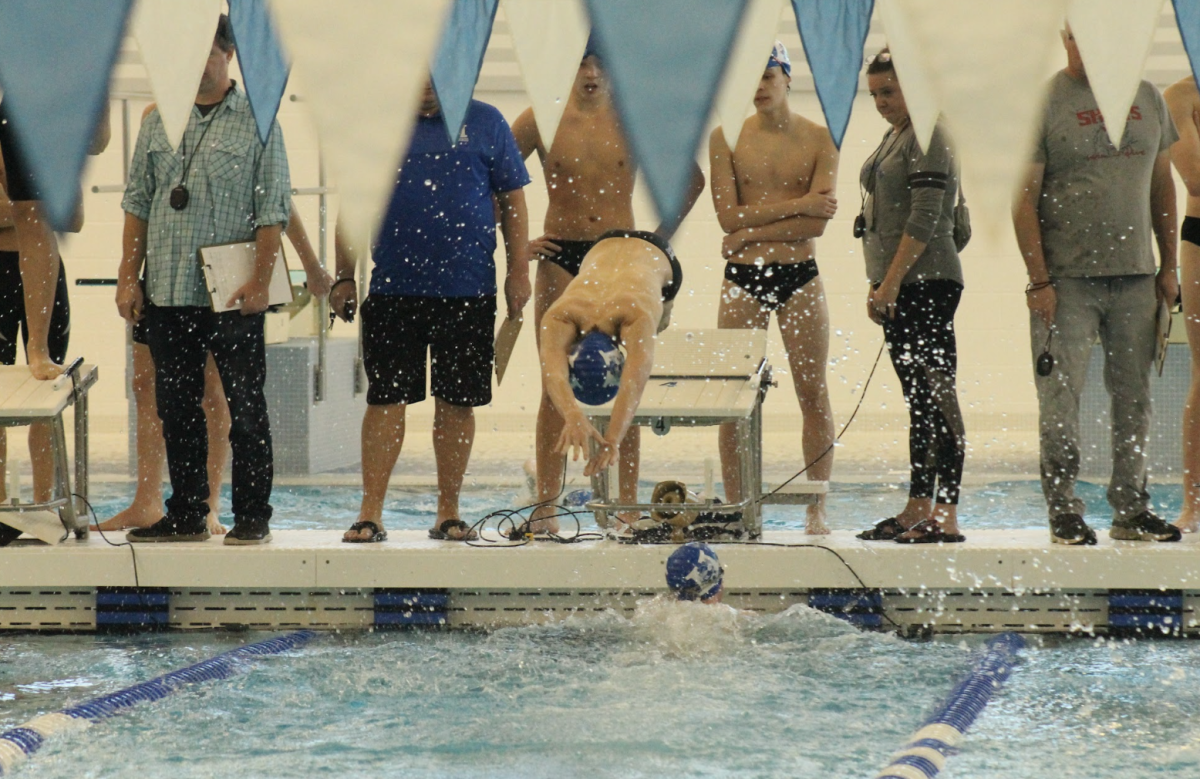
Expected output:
{"points": [[433, 289]]}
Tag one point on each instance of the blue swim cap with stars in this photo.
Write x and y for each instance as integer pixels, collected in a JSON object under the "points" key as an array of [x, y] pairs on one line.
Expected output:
{"points": [[594, 368]]}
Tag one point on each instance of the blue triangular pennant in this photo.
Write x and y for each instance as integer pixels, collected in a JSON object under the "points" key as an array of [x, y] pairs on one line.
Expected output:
{"points": [[264, 68], [665, 60], [834, 33], [459, 58], [55, 59], [1187, 16]]}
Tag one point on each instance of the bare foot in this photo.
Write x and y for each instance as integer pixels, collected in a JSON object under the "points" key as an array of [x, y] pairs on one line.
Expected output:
{"points": [[43, 369], [1188, 522], [543, 520], [134, 516], [814, 524], [214, 525]]}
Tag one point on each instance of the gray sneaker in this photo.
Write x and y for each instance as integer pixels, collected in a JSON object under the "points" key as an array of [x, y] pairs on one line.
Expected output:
{"points": [[1144, 527], [1071, 529]]}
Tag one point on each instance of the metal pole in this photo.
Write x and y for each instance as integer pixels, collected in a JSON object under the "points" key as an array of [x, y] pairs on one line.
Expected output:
{"points": [[320, 391]]}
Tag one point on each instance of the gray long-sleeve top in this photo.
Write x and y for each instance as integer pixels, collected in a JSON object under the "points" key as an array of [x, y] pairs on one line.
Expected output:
{"points": [[914, 192]]}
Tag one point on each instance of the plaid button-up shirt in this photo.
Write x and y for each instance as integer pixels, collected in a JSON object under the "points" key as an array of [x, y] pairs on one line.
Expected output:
{"points": [[235, 185]]}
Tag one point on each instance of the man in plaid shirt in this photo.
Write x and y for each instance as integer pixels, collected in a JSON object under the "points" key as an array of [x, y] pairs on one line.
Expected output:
{"points": [[222, 185]]}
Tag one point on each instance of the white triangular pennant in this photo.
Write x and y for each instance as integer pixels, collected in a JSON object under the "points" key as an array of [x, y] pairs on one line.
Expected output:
{"points": [[365, 123], [912, 69], [1114, 38], [549, 37], [760, 27], [175, 39], [989, 135]]}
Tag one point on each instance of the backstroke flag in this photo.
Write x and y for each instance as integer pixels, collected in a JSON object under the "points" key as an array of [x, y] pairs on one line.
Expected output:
{"points": [[834, 33], [664, 84], [912, 71], [992, 137], [459, 58], [1187, 16], [747, 62], [365, 124], [55, 59], [175, 40], [260, 57], [1114, 38], [549, 38]]}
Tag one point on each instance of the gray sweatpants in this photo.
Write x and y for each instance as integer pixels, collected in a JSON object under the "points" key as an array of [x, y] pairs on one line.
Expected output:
{"points": [[1119, 310]]}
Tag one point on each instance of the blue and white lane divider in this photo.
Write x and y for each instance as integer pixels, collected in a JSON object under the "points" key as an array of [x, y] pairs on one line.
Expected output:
{"points": [[925, 753], [18, 744]]}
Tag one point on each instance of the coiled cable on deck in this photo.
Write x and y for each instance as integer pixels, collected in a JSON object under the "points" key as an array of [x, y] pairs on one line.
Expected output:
{"points": [[17, 744], [925, 753]]}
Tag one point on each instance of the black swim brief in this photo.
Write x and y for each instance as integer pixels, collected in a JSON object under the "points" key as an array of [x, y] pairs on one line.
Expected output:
{"points": [[571, 257], [1190, 230], [771, 285], [672, 289]]}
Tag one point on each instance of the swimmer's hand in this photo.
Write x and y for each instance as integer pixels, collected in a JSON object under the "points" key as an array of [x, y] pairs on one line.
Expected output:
{"points": [[252, 298], [733, 243], [603, 459], [822, 204], [577, 432], [546, 246], [131, 304]]}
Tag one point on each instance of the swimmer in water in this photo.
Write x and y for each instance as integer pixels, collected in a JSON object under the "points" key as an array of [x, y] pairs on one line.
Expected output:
{"points": [[694, 573]]}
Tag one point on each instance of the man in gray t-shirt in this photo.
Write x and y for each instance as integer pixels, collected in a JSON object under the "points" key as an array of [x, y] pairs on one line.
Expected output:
{"points": [[1085, 222]]}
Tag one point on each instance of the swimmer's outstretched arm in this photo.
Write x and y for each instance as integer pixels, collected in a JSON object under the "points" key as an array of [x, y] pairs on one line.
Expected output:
{"points": [[638, 335], [557, 336]]}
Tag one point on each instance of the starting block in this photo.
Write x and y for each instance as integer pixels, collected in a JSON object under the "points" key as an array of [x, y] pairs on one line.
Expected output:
{"points": [[701, 377], [25, 400]]}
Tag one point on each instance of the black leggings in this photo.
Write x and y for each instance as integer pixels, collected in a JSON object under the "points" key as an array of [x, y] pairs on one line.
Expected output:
{"points": [[920, 341]]}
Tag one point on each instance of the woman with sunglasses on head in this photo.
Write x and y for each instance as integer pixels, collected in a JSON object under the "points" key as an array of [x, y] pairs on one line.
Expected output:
{"points": [[907, 227]]}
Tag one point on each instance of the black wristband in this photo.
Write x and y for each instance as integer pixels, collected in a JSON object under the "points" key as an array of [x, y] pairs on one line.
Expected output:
{"points": [[339, 281], [1035, 287]]}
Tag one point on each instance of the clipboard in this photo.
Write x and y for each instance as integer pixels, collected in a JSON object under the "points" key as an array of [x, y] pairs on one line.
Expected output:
{"points": [[1162, 335], [506, 340], [228, 266]]}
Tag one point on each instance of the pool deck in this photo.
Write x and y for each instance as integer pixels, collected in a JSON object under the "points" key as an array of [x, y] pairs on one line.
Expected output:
{"points": [[998, 579]]}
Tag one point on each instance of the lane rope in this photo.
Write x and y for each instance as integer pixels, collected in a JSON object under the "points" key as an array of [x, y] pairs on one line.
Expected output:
{"points": [[925, 753], [19, 743]]}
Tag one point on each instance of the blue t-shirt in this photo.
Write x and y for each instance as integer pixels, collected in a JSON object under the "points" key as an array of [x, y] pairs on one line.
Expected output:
{"points": [[439, 234]]}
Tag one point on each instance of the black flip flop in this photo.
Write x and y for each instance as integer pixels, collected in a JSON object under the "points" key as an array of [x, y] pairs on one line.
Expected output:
{"points": [[439, 533], [885, 530], [377, 533], [930, 533]]}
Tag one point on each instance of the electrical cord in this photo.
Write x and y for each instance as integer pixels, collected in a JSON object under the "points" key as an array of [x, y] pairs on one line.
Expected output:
{"points": [[514, 519], [132, 551]]}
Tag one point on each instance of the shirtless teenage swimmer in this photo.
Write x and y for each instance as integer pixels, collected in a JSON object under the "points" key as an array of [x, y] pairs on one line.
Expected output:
{"points": [[1183, 100], [622, 296], [773, 196], [590, 174]]}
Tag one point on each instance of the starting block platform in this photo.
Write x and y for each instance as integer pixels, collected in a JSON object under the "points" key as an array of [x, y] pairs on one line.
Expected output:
{"points": [[999, 580]]}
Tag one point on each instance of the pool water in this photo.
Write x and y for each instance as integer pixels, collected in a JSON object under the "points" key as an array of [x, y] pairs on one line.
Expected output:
{"points": [[677, 690]]}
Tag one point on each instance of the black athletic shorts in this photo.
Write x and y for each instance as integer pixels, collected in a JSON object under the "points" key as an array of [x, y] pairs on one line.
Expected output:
{"points": [[398, 331], [12, 312]]}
